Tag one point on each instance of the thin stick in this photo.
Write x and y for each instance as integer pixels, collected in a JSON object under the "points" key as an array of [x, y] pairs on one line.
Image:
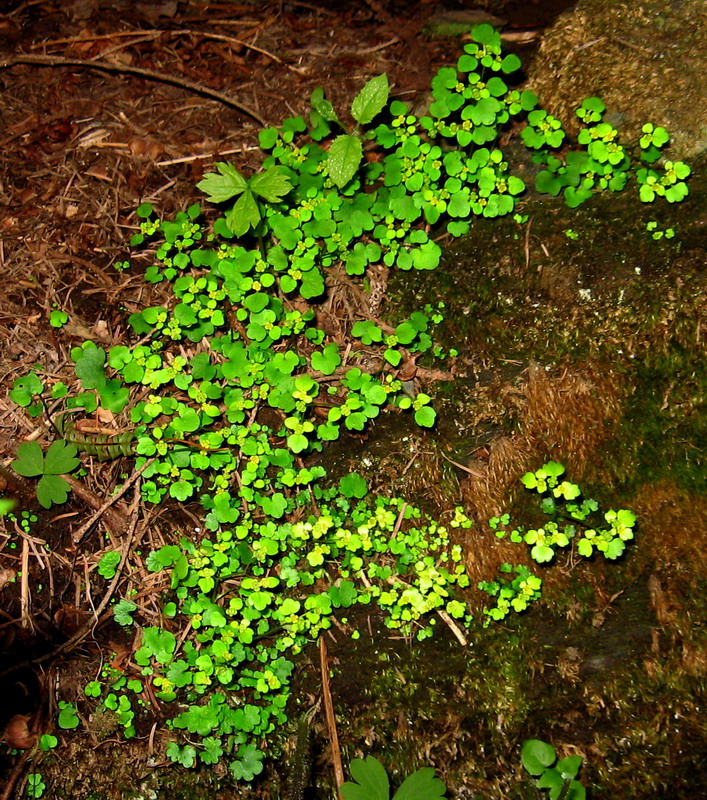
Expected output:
{"points": [[453, 627], [78, 534], [330, 718], [461, 466], [161, 77], [144, 36], [24, 586]]}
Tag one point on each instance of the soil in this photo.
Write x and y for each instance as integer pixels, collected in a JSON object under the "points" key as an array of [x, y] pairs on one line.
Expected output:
{"points": [[580, 338]]}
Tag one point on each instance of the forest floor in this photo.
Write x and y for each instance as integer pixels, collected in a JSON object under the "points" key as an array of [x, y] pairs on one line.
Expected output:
{"points": [[586, 347]]}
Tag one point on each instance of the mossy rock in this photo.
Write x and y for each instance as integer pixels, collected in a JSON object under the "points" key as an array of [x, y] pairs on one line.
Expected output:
{"points": [[646, 59]]}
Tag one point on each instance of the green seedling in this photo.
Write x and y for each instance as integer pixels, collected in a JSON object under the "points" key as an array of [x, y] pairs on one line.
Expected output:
{"points": [[569, 526], [557, 776]]}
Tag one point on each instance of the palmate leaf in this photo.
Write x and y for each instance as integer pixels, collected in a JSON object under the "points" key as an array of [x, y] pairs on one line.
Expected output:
{"points": [[228, 184]]}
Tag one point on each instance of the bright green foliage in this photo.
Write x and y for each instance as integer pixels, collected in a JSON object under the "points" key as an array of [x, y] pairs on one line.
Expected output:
{"points": [[603, 163], [24, 391], [108, 563], [60, 458], [371, 783], [234, 388], [567, 527], [47, 742], [68, 717], [247, 637], [271, 185], [558, 776], [35, 785], [57, 319]]}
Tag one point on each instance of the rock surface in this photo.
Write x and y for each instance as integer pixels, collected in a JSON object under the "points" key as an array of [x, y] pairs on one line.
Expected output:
{"points": [[646, 59]]}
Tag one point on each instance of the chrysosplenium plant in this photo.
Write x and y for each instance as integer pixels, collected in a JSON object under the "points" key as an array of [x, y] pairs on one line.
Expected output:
{"points": [[237, 383], [573, 523]]}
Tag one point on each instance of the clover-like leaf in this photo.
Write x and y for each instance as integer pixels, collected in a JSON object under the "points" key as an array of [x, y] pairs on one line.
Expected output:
{"points": [[30, 460], [537, 755], [68, 717]]}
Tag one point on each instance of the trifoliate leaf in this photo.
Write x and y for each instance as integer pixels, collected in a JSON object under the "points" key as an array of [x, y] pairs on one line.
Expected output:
{"points": [[272, 184], [228, 184]]}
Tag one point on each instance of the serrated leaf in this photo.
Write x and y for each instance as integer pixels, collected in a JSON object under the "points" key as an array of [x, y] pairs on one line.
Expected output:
{"points": [[371, 100], [421, 785], [372, 781], [244, 215], [343, 159], [60, 458], [228, 184], [30, 461], [322, 106], [272, 184]]}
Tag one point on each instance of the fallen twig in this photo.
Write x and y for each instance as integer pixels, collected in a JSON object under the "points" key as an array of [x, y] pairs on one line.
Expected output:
{"points": [[144, 36], [79, 533], [461, 466], [161, 77], [453, 627], [330, 718]]}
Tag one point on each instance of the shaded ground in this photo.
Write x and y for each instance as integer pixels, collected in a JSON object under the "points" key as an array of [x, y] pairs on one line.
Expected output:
{"points": [[588, 350]]}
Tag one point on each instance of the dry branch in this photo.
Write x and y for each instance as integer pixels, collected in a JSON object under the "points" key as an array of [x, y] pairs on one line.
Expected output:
{"points": [[161, 77]]}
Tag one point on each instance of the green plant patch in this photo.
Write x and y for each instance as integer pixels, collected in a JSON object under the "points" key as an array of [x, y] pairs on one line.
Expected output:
{"points": [[573, 522], [235, 385]]}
